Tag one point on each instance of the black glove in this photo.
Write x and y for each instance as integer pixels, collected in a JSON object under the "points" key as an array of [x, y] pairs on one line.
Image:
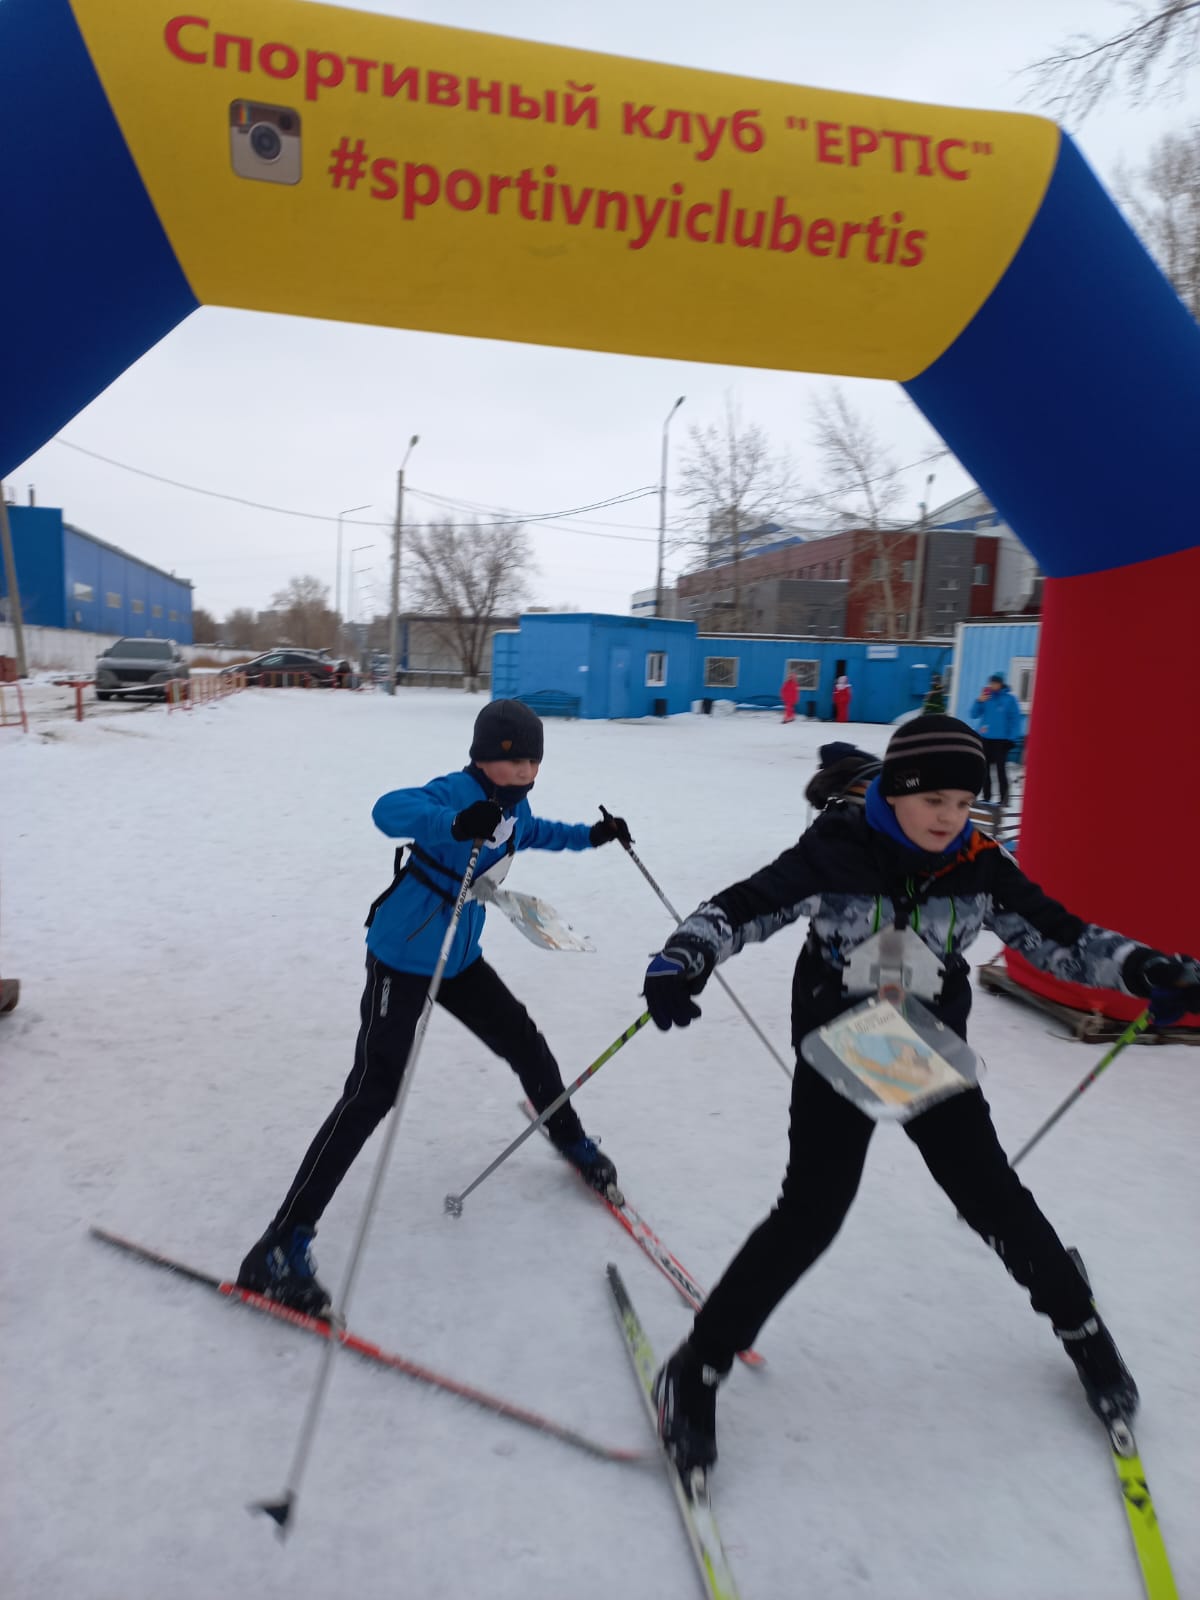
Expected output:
{"points": [[1173, 986], [478, 821], [611, 828], [678, 972]]}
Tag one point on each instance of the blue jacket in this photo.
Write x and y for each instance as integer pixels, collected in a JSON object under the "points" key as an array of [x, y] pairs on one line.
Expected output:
{"points": [[999, 716], [410, 923]]}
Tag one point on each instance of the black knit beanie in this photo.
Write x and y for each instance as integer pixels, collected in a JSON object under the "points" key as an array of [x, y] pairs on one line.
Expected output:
{"points": [[507, 730], [933, 752]]}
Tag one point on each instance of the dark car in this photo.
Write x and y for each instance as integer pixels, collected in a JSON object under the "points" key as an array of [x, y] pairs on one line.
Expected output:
{"points": [[140, 667], [288, 669]]}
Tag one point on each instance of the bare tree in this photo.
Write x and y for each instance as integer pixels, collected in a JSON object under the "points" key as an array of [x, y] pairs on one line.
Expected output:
{"points": [[464, 576], [241, 631], [862, 489], [1163, 202], [732, 483], [302, 613], [204, 626], [1158, 46]]}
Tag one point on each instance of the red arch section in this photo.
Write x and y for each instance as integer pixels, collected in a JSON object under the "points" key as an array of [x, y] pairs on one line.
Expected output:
{"points": [[1110, 824]]}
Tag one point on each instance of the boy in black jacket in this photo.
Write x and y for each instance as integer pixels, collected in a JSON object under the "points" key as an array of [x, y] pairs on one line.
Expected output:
{"points": [[909, 857]]}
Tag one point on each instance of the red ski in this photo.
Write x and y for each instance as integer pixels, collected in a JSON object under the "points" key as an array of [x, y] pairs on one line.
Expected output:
{"points": [[372, 1352], [640, 1231]]}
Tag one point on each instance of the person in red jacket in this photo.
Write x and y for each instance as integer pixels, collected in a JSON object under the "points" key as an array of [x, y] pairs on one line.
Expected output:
{"points": [[841, 699], [789, 694]]}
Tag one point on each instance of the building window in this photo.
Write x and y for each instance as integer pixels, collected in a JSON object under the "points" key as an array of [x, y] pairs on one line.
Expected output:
{"points": [[844, 568], [172, 616], [112, 601], [1022, 671], [82, 591], [807, 673], [949, 583], [156, 611], [906, 572], [877, 567], [656, 666], [720, 672], [981, 575], [137, 606], [902, 622], [874, 621]]}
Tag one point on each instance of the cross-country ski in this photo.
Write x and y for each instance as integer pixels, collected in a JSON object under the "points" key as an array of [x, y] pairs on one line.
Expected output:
{"points": [[368, 1350]]}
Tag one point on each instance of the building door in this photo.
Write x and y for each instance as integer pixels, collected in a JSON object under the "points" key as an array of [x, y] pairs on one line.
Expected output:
{"points": [[618, 683]]}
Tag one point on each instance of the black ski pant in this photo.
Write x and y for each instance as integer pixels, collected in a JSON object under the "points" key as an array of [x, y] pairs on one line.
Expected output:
{"points": [[391, 1007], [995, 754], [828, 1148]]}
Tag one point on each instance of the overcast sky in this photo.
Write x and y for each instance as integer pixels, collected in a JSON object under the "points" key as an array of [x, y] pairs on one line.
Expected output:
{"points": [[315, 416]]}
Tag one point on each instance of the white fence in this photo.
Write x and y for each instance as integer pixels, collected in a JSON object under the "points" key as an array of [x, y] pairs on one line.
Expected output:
{"points": [[66, 650]]}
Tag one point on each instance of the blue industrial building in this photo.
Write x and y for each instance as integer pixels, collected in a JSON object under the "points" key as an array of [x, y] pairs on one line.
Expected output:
{"points": [[71, 579], [622, 666]]}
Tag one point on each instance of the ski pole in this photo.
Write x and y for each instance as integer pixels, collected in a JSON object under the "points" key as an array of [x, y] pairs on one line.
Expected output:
{"points": [[453, 1203], [280, 1510], [641, 866], [1137, 1026]]}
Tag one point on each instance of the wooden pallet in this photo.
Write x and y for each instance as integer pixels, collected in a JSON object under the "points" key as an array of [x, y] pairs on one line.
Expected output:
{"points": [[1091, 1027]]}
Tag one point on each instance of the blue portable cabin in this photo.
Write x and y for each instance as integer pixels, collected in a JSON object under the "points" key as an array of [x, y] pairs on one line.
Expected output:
{"points": [[982, 648], [71, 579], [594, 665], [887, 679]]}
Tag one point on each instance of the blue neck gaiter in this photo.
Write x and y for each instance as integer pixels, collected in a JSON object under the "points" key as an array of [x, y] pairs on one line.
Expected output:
{"points": [[882, 817]]}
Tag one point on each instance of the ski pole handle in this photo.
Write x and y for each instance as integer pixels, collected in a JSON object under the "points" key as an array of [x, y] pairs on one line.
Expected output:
{"points": [[1136, 1027], [453, 1203], [641, 866]]}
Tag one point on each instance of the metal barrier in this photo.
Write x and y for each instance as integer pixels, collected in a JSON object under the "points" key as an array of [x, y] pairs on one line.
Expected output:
{"points": [[16, 719]]}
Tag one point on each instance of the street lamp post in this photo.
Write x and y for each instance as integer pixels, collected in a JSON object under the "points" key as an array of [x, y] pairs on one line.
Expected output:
{"points": [[662, 509], [918, 583], [351, 595], [397, 536], [337, 580]]}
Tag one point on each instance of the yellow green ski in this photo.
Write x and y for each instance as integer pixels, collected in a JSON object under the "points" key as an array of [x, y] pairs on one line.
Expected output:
{"points": [[691, 1493], [1157, 1577]]}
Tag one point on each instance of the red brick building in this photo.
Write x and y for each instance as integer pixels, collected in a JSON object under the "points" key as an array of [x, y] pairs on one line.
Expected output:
{"points": [[834, 585]]}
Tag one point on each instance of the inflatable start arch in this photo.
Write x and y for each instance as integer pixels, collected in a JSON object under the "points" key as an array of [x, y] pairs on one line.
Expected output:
{"points": [[280, 156]]}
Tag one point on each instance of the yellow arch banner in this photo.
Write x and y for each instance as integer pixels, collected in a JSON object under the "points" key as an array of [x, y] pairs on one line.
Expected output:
{"points": [[336, 164]]}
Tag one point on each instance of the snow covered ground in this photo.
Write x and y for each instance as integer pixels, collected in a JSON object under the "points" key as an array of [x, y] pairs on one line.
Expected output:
{"points": [[183, 900]]}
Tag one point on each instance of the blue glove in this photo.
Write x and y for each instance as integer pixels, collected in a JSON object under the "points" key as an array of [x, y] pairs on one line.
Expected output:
{"points": [[674, 975], [1174, 985]]}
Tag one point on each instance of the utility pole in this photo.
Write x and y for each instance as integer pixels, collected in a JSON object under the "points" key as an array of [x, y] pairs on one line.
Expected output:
{"points": [[662, 509], [397, 536], [10, 579], [914, 609]]}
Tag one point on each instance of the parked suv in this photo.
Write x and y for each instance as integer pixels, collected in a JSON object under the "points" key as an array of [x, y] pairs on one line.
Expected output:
{"points": [[141, 667]]}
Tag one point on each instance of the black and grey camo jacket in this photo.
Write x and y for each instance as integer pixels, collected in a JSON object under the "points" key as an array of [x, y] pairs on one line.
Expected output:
{"points": [[849, 880]]}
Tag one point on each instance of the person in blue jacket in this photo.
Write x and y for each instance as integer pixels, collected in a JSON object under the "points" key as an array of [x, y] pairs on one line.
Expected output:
{"points": [[487, 800], [998, 713]]}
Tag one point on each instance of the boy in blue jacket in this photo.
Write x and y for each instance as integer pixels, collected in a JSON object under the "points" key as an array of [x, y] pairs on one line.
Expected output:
{"points": [[998, 713], [406, 926]]}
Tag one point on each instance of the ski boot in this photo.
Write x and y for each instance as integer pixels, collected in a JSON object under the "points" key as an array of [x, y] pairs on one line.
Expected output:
{"points": [[594, 1167], [280, 1267], [1107, 1381], [685, 1392]]}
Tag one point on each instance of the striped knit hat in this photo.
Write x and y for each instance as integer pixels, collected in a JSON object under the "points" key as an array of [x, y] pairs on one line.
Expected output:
{"points": [[933, 753]]}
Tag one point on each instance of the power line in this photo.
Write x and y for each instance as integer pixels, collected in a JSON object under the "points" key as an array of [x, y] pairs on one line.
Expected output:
{"points": [[316, 516]]}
